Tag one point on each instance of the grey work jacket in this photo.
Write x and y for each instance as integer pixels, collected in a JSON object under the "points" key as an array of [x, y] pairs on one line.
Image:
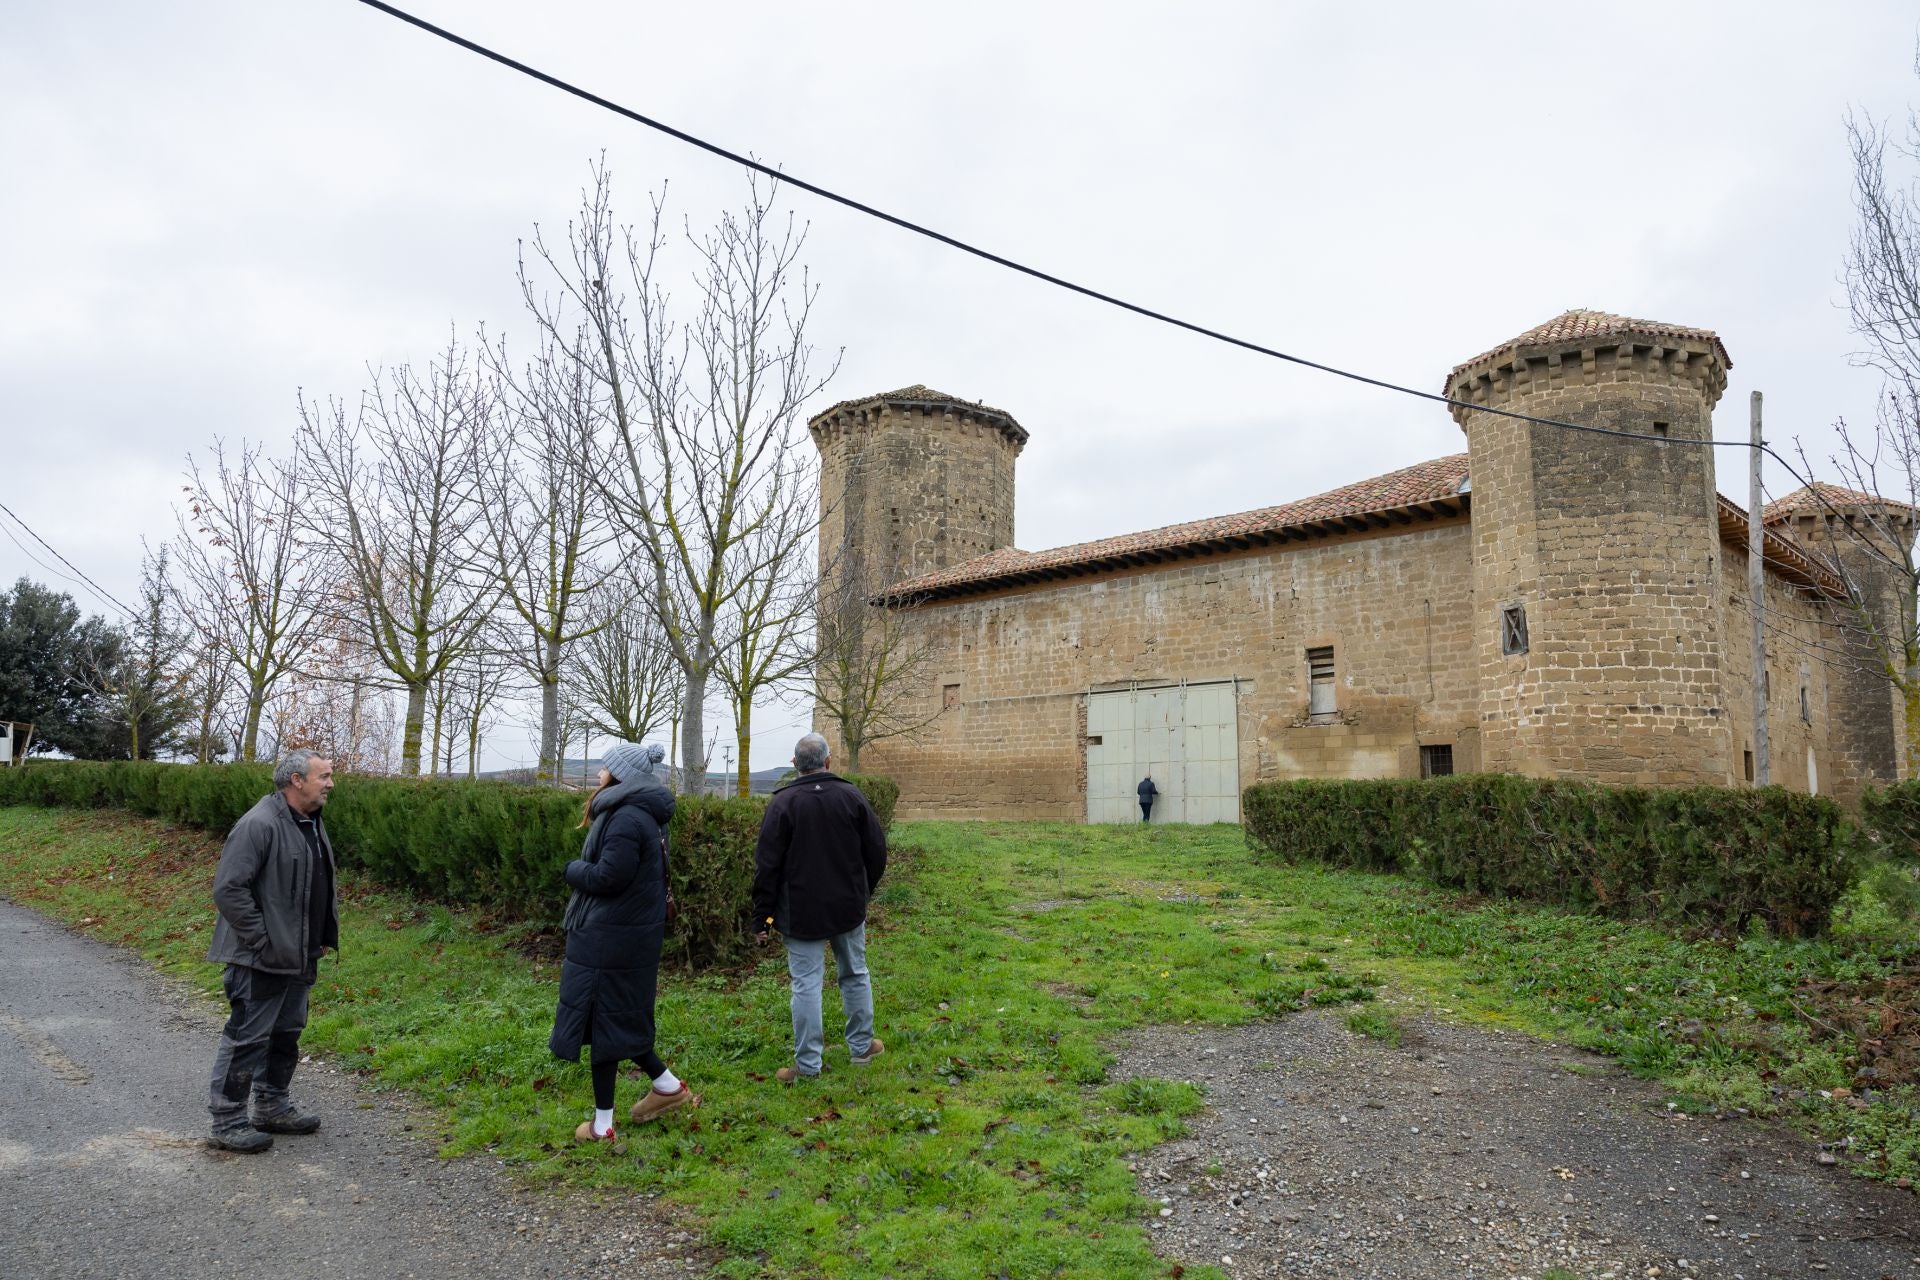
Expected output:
{"points": [[261, 891]]}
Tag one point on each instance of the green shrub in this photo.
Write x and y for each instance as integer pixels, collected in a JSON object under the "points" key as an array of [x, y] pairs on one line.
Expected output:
{"points": [[490, 844], [882, 793], [1715, 857], [1891, 818]]}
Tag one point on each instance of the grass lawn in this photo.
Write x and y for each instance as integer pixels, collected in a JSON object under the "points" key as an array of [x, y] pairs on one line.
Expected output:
{"points": [[1006, 957]]}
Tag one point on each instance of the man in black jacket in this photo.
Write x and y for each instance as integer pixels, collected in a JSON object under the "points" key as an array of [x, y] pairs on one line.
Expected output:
{"points": [[279, 911], [820, 857], [1147, 792]]}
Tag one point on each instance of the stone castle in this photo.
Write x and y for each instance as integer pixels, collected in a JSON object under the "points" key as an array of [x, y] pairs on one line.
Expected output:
{"points": [[1550, 602]]}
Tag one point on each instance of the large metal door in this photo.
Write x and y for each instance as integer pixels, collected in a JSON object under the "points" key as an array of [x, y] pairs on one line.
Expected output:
{"points": [[1185, 737]]}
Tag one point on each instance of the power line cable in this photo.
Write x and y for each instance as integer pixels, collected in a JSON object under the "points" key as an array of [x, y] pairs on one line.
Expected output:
{"points": [[98, 589], [1034, 272], [997, 259]]}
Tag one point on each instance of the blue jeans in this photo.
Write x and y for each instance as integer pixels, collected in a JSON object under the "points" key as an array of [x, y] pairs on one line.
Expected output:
{"points": [[807, 967]]}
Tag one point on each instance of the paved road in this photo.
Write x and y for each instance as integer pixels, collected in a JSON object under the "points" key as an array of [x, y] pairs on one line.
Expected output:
{"points": [[104, 1171]]}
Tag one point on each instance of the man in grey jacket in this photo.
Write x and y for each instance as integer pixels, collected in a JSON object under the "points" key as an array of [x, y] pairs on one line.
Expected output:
{"points": [[279, 912]]}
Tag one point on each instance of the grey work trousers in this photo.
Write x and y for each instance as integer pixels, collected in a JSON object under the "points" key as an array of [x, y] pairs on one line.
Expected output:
{"points": [[259, 1046]]}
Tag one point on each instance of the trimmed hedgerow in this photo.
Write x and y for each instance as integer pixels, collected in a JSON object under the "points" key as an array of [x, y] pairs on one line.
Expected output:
{"points": [[1714, 857], [487, 843], [882, 793]]}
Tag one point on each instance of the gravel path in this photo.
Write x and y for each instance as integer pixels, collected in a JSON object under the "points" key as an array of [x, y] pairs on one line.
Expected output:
{"points": [[104, 1170], [1468, 1153]]}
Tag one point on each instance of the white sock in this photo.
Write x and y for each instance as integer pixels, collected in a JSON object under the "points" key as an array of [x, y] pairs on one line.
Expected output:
{"points": [[602, 1121], [666, 1082]]}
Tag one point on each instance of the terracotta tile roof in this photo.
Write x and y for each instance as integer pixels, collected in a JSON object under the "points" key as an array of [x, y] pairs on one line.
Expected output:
{"points": [[1421, 492], [1579, 325], [920, 394], [1806, 499], [1778, 553]]}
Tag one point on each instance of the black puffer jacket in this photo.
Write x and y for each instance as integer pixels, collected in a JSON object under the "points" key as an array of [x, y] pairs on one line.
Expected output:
{"points": [[615, 923]]}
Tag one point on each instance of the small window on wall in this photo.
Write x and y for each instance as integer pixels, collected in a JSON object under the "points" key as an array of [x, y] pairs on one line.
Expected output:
{"points": [[1513, 629], [1436, 761], [949, 696], [1749, 765], [1322, 706]]}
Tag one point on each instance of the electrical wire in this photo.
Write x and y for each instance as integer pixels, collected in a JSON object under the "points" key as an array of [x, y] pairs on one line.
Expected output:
{"points": [[96, 587], [1010, 264], [998, 260]]}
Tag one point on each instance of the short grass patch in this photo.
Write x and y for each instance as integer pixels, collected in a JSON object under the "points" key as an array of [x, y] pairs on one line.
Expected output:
{"points": [[1007, 958]]}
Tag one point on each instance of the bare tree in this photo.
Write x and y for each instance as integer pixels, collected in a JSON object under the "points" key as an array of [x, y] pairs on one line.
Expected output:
{"points": [[627, 682], [871, 665], [397, 498], [547, 523], [767, 628], [705, 403], [477, 689], [212, 687], [143, 673], [252, 583]]}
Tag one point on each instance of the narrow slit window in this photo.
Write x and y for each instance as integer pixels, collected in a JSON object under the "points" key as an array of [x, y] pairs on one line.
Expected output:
{"points": [[1436, 761], [1322, 704], [1660, 429], [1749, 765], [1513, 629], [949, 696]]}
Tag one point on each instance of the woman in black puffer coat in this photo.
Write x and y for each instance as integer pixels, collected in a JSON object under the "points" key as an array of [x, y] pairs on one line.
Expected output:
{"points": [[614, 925]]}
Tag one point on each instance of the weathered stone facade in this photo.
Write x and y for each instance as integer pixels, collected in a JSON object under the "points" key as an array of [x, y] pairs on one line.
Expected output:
{"points": [[1626, 565]]}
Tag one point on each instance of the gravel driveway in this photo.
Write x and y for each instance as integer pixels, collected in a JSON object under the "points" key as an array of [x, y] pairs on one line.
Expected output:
{"points": [[1471, 1153], [104, 1170]]}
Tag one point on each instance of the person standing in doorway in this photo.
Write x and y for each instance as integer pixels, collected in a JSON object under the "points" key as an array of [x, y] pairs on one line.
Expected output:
{"points": [[615, 924], [278, 914], [1147, 792], [820, 857]]}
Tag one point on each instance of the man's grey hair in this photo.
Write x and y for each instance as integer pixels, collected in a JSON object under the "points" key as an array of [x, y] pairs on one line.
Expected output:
{"points": [[293, 765], [810, 753]]}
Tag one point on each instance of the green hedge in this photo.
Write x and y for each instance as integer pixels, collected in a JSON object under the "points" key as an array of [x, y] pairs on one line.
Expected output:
{"points": [[1714, 857], [487, 843], [882, 793], [1891, 816]]}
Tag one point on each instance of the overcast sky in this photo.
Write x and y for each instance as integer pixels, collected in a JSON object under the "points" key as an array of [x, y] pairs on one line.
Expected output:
{"points": [[208, 205]]}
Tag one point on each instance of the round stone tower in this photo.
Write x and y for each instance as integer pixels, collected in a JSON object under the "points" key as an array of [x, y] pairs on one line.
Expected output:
{"points": [[1595, 558], [912, 481]]}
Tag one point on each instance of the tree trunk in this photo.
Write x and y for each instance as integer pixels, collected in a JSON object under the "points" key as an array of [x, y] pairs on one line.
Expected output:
{"points": [[853, 755], [250, 741], [410, 737], [743, 734], [550, 753], [693, 734]]}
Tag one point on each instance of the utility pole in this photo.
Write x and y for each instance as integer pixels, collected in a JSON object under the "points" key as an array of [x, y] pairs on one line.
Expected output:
{"points": [[1756, 593]]}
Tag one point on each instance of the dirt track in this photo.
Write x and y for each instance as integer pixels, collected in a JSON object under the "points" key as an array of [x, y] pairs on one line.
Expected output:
{"points": [[1468, 1153]]}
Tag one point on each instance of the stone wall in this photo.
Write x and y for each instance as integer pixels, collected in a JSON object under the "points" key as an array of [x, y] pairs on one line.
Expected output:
{"points": [[1801, 657], [1869, 742], [1395, 607]]}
